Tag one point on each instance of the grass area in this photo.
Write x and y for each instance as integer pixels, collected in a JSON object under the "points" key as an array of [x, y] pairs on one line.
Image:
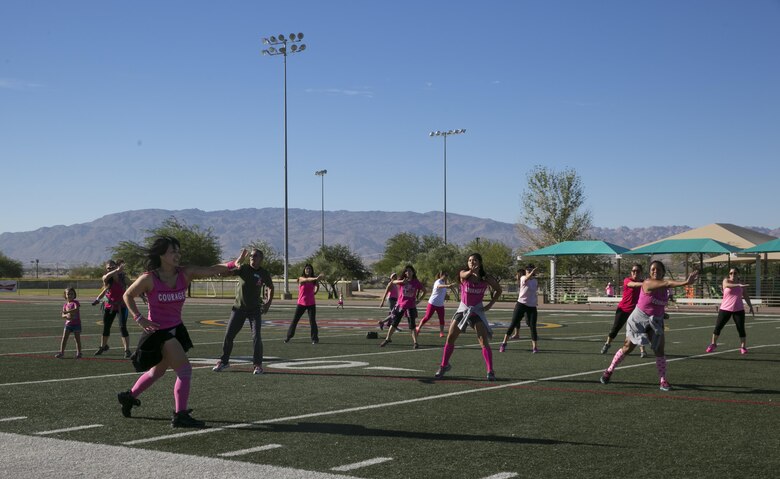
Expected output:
{"points": [[345, 400]]}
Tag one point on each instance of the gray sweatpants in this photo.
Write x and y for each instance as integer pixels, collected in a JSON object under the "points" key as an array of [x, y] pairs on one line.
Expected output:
{"points": [[236, 322]]}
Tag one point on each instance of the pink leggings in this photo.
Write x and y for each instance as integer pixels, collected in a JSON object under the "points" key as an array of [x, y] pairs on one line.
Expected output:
{"points": [[429, 310]]}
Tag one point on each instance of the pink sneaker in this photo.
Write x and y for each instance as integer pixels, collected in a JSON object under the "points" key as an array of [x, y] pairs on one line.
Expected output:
{"points": [[743, 351], [711, 348], [502, 348], [665, 385]]}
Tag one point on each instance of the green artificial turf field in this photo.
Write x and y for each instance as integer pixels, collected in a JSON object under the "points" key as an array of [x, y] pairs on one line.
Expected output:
{"points": [[347, 406]]}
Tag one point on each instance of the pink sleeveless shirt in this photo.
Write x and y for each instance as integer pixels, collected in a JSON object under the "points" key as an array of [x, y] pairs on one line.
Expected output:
{"points": [[166, 303], [653, 303], [471, 294], [732, 299], [75, 319], [306, 293]]}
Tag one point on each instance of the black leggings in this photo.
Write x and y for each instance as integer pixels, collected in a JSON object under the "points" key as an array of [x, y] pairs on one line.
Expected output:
{"points": [[723, 318], [312, 310], [530, 319], [620, 320], [108, 320]]}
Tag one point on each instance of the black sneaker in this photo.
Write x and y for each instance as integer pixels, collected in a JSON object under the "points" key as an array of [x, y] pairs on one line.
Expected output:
{"points": [[605, 348], [101, 350], [315, 340], [605, 377], [183, 419], [128, 354], [442, 369], [127, 401]]}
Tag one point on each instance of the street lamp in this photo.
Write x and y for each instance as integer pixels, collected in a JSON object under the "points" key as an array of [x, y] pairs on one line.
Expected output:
{"points": [[274, 50], [322, 173], [35, 262], [445, 134]]}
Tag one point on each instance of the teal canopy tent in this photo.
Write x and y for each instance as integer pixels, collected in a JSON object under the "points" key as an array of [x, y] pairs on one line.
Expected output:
{"points": [[572, 248], [768, 247]]}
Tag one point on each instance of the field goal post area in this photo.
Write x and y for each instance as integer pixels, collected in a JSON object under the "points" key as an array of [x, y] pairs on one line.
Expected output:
{"points": [[214, 288]]}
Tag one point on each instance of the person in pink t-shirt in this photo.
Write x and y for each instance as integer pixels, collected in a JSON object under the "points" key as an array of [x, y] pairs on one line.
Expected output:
{"points": [[731, 306], [308, 286], [164, 341], [631, 287], [525, 306], [411, 290], [72, 316], [646, 323]]}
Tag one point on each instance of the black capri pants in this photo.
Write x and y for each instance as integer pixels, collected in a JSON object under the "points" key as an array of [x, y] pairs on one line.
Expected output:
{"points": [[530, 313], [108, 320], [723, 318], [620, 320]]}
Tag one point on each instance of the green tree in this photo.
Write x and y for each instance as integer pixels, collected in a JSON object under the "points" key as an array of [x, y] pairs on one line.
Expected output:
{"points": [[10, 268], [337, 262], [198, 246], [553, 207], [443, 257], [401, 249]]}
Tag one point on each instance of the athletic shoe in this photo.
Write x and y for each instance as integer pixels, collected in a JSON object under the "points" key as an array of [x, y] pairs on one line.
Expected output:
{"points": [[384, 343], [642, 353], [711, 348], [605, 377], [491, 376], [315, 340], [127, 401], [78, 356], [441, 335], [96, 302], [220, 366], [417, 330], [535, 350], [101, 350], [416, 346], [183, 419], [743, 351], [286, 340], [665, 385], [442, 369], [257, 370], [59, 355], [128, 354], [605, 348], [502, 348]]}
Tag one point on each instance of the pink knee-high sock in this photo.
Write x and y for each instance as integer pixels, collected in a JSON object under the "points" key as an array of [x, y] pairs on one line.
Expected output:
{"points": [[660, 364], [619, 356], [448, 350], [146, 380], [487, 353], [181, 390]]}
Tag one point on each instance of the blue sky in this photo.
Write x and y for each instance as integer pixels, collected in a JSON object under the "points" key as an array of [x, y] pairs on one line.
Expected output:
{"points": [[668, 110]]}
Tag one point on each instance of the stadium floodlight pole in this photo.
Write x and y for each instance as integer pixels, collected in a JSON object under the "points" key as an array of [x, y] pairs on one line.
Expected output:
{"points": [[272, 50], [321, 174], [445, 134]]}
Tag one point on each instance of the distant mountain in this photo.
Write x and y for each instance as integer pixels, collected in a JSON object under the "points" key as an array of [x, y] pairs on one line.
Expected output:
{"points": [[365, 232]]}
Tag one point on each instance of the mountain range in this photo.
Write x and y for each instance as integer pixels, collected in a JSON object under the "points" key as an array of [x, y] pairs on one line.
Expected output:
{"points": [[364, 232]]}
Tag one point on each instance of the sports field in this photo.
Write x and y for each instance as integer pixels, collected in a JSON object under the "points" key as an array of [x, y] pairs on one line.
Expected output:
{"points": [[346, 407]]}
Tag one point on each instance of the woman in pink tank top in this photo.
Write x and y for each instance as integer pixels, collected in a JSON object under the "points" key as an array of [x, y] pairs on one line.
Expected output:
{"points": [[733, 294], [165, 341], [308, 285], [646, 323]]}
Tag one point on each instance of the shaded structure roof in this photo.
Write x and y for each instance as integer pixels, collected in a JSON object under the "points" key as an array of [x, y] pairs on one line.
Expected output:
{"points": [[569, 248]]}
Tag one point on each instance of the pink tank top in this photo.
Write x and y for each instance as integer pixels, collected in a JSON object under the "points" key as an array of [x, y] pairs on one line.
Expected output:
{"points": [[528, 292], [393, 293], [471, 294], [306, 293], [115, 292], [166, 303], [732, 299], [653, 303], [75, 319]]}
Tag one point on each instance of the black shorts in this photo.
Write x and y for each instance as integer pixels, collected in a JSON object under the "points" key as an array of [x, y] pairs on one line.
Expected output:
{"points": [[149, 351]]}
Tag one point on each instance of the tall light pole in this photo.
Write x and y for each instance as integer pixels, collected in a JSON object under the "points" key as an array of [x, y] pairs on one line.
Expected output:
{"points": [[273, 51], [445, 134], [321, 174]]}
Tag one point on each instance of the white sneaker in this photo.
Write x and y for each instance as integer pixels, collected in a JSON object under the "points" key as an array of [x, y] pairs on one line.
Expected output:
{"points": [[220, 366], [257, 370]]}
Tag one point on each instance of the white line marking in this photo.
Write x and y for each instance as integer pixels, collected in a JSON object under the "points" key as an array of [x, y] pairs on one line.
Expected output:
{"points": [[502, 475], [17, 418], [241, 452], [358, 465], [387, 368], [69, 429], [595, 373]]}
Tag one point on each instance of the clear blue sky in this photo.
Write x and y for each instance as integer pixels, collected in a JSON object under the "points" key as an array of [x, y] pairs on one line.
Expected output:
{"points": [[669, 110]]}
